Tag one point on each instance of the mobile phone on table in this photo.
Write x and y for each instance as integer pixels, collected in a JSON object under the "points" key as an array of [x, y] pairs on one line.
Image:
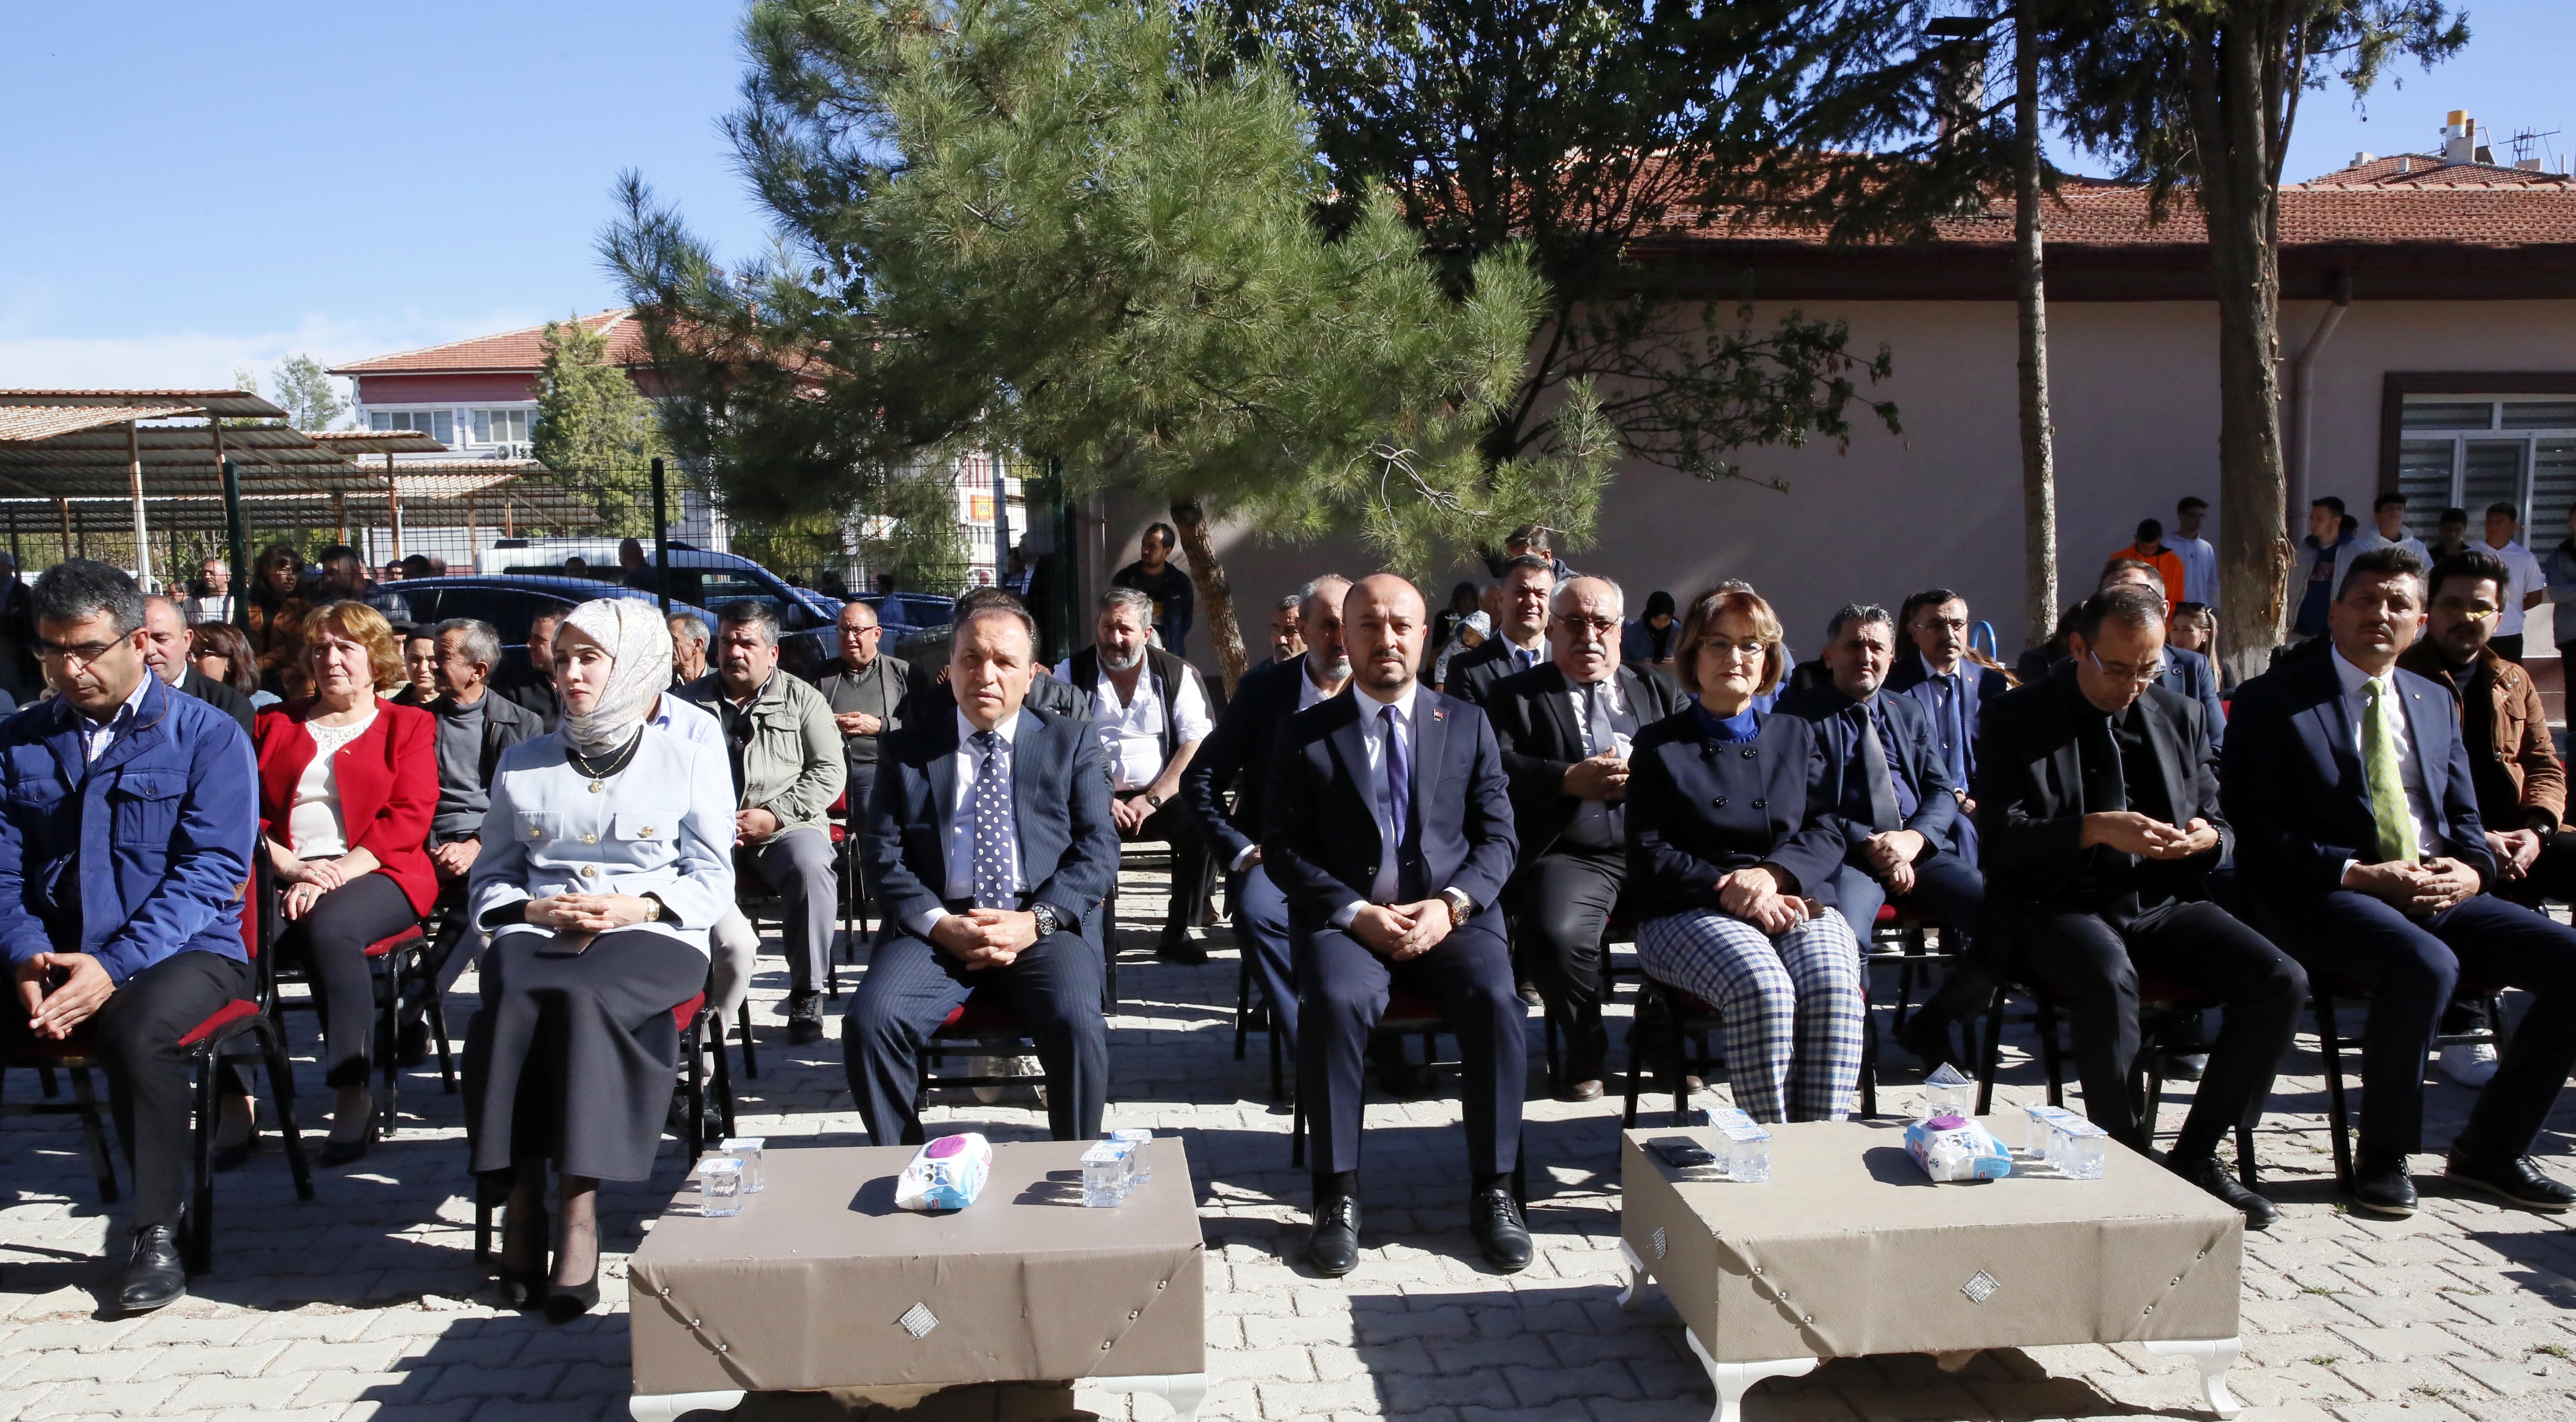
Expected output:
{"points": [[1681, 1152]]}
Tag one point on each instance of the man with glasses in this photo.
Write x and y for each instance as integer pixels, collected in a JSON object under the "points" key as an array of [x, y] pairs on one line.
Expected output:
{"points": [[864, 688], [2351, 782], [2187, 673], [1564, 729], [165, 650], [2098, 811]]}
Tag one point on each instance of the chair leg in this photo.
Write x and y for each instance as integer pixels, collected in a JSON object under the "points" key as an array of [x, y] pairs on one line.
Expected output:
{"points": [[482, 1226], [197, 1235], [1278, 1076], [692, 1047], [1990, 1060], [281, 1094], [750, 1062], [2337, 1122], [438, 1035], [2245, 1147], [1243, 1005], [1297, 1132], [1868, 1063], [389, 983], [102, 1162], [2044, 1015]]}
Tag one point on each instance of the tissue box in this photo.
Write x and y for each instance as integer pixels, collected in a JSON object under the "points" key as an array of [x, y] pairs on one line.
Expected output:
{"points": [[946, 1174], [1953, 1148]]}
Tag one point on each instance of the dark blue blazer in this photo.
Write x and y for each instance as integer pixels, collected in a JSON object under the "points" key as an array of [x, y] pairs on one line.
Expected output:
{"points": [[1698, 811], [1976, 684], [1236, 755], [1926, 769], [1060, 802], [2293, 782], [1473, 674], [1319, 837], [140, 856]]}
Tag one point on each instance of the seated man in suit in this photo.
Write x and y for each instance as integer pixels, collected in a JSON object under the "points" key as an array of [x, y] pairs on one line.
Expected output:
{"points": [[1892, 798], [1519, 642], [1150, 710], [1237, 756], [532, 683], [2350, 782], [2097, 795], [122, 917], [165, 650], [927, 697], [1564, 731], [991, 846], [1388, 824], [2187, 673]]}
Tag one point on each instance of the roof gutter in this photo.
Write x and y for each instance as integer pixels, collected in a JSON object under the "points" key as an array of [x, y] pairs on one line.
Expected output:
{"points": [[2303, 403]]}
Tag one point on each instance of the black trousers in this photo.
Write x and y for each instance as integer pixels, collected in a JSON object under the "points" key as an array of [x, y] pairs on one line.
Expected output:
{"points": [[2093, 969], [1054, 988], [1344, 991], [331, 941], [2411, 966], [136, 1033], [1559, 904], [1176, 826]]}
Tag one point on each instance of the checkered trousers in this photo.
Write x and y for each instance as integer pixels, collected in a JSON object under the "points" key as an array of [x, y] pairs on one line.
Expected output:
{"points": [[1790, 1007]]}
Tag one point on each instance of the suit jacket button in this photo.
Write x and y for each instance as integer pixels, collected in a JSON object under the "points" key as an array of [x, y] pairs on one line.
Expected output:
{"points": [[1749, 752], [1718, 802], [1760, 804]]}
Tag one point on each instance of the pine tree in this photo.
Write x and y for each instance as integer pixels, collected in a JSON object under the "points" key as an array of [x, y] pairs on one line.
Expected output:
{"points": [[306, 394], [593, 428]]}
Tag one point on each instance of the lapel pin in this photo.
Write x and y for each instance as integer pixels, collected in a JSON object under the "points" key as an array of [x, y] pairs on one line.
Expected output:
{"points": [[1439, 715]]}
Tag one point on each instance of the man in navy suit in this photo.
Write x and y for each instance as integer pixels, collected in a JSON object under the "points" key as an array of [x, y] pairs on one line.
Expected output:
{"points": [[1237, 756], [1519, 642], [1933, 667], [2187, 673], [2350, 785], [991, 845], [1388, 824]]}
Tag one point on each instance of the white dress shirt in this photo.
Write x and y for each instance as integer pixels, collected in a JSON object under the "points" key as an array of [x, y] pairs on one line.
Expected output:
{"points": [[969, 763], [2199, 569], [1611, 704], [2527, 579], [1132, 732], [2419, 805], [1373, 736]]}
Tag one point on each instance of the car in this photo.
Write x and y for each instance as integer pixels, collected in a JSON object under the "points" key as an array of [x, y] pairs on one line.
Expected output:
{"points": [[699, 577], [512, 604], [916, 624]]}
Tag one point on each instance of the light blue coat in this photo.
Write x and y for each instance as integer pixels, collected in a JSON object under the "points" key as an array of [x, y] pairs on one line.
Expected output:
{"points": [[663, 826]]}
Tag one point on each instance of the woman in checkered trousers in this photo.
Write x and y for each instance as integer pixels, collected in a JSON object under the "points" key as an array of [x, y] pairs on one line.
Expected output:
{"points": [[1731, 861]]}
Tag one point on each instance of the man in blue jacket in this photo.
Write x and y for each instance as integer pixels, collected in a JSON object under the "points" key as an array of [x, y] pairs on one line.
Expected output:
{"points": [[125, 839]]}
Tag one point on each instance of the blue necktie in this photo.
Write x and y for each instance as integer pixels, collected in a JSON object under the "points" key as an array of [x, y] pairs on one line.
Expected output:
{"points": [[995, 834], [1399, 799]]}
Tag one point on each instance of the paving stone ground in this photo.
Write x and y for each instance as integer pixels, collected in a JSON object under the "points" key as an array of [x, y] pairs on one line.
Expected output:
{"points": [[367, 1303]]}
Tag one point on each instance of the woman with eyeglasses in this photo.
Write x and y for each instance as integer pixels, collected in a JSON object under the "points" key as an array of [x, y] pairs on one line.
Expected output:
{"points": [[1731, 862]]}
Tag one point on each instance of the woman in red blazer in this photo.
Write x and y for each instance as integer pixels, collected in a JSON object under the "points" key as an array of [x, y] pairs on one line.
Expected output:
{"points": [[347, 783]]}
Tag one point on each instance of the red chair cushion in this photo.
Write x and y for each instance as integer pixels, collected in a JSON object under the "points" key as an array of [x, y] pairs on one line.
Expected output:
{"points": [[687, 1012], [1406, 1005], [220, 1020], [2166, 992], [383, 946], [978, 1016]]}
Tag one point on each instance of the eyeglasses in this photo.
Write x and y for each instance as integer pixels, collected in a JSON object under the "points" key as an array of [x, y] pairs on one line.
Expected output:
{"points": [[85, 653], [1725, 650], [1596, 626], [2122, 671], [2467, 606]]}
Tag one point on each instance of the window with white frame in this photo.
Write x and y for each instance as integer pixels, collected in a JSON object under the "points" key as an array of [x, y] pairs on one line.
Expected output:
{"points": [[2470, 451], [439, 425], [501, 426]]}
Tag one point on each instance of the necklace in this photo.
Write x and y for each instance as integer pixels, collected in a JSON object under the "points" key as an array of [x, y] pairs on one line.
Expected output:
{"points": [[600, 770]]}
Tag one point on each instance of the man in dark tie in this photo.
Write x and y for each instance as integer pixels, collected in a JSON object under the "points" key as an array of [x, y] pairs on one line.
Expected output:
{"points": [[1237, 757], [990, 845], [1388, 824], [1564, 731], [1893, 798], [2352, 787], [1934, 668], [2097, 792], [1519, 642]]}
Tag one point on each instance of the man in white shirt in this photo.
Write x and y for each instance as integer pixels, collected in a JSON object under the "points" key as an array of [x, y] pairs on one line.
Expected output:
{"points": [[2387, 530], [2530, 585], [2199, 560], [1150, 710]]}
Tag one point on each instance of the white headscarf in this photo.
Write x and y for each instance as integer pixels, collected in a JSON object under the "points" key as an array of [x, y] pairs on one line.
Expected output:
{"points": [[638, 642]]}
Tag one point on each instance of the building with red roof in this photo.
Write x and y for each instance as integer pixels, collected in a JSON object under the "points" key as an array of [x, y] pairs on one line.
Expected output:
{"points": [[477, 396]]}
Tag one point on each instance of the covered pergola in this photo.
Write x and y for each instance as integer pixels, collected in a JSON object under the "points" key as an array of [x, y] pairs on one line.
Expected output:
{"points": [[467, 494]]}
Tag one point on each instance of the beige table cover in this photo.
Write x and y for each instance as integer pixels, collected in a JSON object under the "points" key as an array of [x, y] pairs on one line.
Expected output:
{"points": [[1849, 1250], [810, 1286]]}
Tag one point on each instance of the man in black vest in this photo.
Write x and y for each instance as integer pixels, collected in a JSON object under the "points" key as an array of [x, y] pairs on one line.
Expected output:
{"points": [[1564, 730], [1150, 711]]}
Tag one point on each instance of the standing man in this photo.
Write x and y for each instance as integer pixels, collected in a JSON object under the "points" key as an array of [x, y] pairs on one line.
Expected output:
{"points": [[2451, 535], [1153, 574], [2098, 795], [1519, 642], [1286, 643], [165, 651], [991, 843], [2149, 548], [2350, 781], [1237, 757], [1532, 540], [2324, 545], [344, 575], [215, 604], [863, 689], [1388, 824], [1150, 710], [2559, 568], [788, 768], [1563, 730], [532, 683], [634, 569], [2530, 585], [472, 728], [122, 919], [2199, 560], [2387, 530]]}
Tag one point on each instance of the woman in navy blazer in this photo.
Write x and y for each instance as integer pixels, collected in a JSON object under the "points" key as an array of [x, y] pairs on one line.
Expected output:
{"points": [[1731, 861]]}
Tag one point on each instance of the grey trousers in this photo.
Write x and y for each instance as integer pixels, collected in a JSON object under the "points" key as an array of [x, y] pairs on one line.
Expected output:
{"points": [[797, 865]]}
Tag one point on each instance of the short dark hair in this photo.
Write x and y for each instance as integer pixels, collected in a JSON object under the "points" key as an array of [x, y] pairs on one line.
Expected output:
{"points": [[2472, 564], [2134, 607], [2454, 515], [78, 589], [1929, 597], [2149, 528], [1533, 535], [340, 550], [2328, 502], [2190, 502], [750, 612], [994, 608], [1171, 538], [1529, 560], [2122, 565], [1863, 613], [2502, 507], [975, 600], [2387, 561], [2384, 500]]}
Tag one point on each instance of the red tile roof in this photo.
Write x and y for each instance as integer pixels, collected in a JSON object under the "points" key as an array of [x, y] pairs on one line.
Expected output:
{"points": [[510, 351], [2425, 170]]}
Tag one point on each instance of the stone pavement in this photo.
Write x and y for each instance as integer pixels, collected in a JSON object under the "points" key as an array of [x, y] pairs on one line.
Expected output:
{"points": [[367, 1302]]}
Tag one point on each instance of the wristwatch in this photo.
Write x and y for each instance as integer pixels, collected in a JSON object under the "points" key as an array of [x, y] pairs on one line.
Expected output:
{"points": [[1461, 907], [1044, 913], [1155, 800], [652, 909]]}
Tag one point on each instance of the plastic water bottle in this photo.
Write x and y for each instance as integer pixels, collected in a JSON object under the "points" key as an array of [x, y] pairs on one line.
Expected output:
{"points": [[1947, 1092], [719, 1187], [1104, 1175], [2039, 1131], [747, 1149], [2087, 1149], [1748, 1153], [1135, 1141]]}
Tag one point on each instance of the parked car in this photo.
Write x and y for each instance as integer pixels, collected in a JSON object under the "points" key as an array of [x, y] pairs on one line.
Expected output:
{"points": [[916, 624], [511, 604], [699, 578]]}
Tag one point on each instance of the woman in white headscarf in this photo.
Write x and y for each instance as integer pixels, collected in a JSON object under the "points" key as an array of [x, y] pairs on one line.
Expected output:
{"points": [[607, 855]]}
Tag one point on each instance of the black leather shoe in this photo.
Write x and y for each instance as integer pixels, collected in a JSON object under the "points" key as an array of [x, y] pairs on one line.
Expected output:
{"points": [[2384, 1189], [2185, 1066], [804, 1019], [155, 1278], [350, 1152], [2217, 1179], [1334, 1248], [2516, 1182], [1928, 1042], [1178, 947], [1495, 1217], [1588, 1089], [1529, 994]]}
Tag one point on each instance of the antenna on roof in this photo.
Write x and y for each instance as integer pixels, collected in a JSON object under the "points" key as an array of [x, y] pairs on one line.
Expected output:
{"points": [[2523, 141]]}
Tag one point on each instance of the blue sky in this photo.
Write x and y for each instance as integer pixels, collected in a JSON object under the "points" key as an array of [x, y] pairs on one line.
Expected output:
{"points": [[195, 188]]}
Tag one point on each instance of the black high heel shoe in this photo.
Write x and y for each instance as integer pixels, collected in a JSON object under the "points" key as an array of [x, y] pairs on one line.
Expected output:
{"points": [[566, 1302], [351, 1151]]}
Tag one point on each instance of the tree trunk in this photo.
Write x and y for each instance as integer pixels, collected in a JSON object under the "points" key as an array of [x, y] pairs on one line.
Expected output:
{"points": [[1216, 595], [2030, 294]]}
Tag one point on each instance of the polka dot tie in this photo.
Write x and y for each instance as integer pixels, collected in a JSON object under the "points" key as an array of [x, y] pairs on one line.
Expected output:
{"points": [[996, 837]]}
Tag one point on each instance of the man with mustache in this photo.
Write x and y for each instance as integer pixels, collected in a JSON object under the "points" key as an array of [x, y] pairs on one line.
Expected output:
{"points": [[1150, 710]]}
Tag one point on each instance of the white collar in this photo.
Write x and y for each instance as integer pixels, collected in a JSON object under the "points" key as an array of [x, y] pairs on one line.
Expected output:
{"points": [[2353, 677], [133, 702], [1931, 670], [1403, 703], [1008, 730]]}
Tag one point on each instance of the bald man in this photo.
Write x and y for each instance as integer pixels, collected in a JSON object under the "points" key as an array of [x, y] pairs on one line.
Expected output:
{"points": [[1388, 825]]}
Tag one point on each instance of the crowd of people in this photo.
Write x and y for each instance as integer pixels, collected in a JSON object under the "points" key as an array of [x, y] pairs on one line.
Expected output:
{"points": [[1455, 803]]}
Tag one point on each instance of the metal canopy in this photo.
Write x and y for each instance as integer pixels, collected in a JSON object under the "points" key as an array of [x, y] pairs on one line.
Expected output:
{"points": [[483, 497]]}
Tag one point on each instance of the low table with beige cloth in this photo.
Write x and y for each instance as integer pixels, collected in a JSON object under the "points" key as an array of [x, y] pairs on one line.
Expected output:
{"points": [[1850, 1250], [821, 1283]]}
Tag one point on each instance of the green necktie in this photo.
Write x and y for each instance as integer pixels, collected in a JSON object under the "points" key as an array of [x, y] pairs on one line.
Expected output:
{"points": [[2379, 765]]}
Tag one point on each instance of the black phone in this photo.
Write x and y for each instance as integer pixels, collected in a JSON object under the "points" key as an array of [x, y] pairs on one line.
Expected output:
{"points": [[1681, 1152]]}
